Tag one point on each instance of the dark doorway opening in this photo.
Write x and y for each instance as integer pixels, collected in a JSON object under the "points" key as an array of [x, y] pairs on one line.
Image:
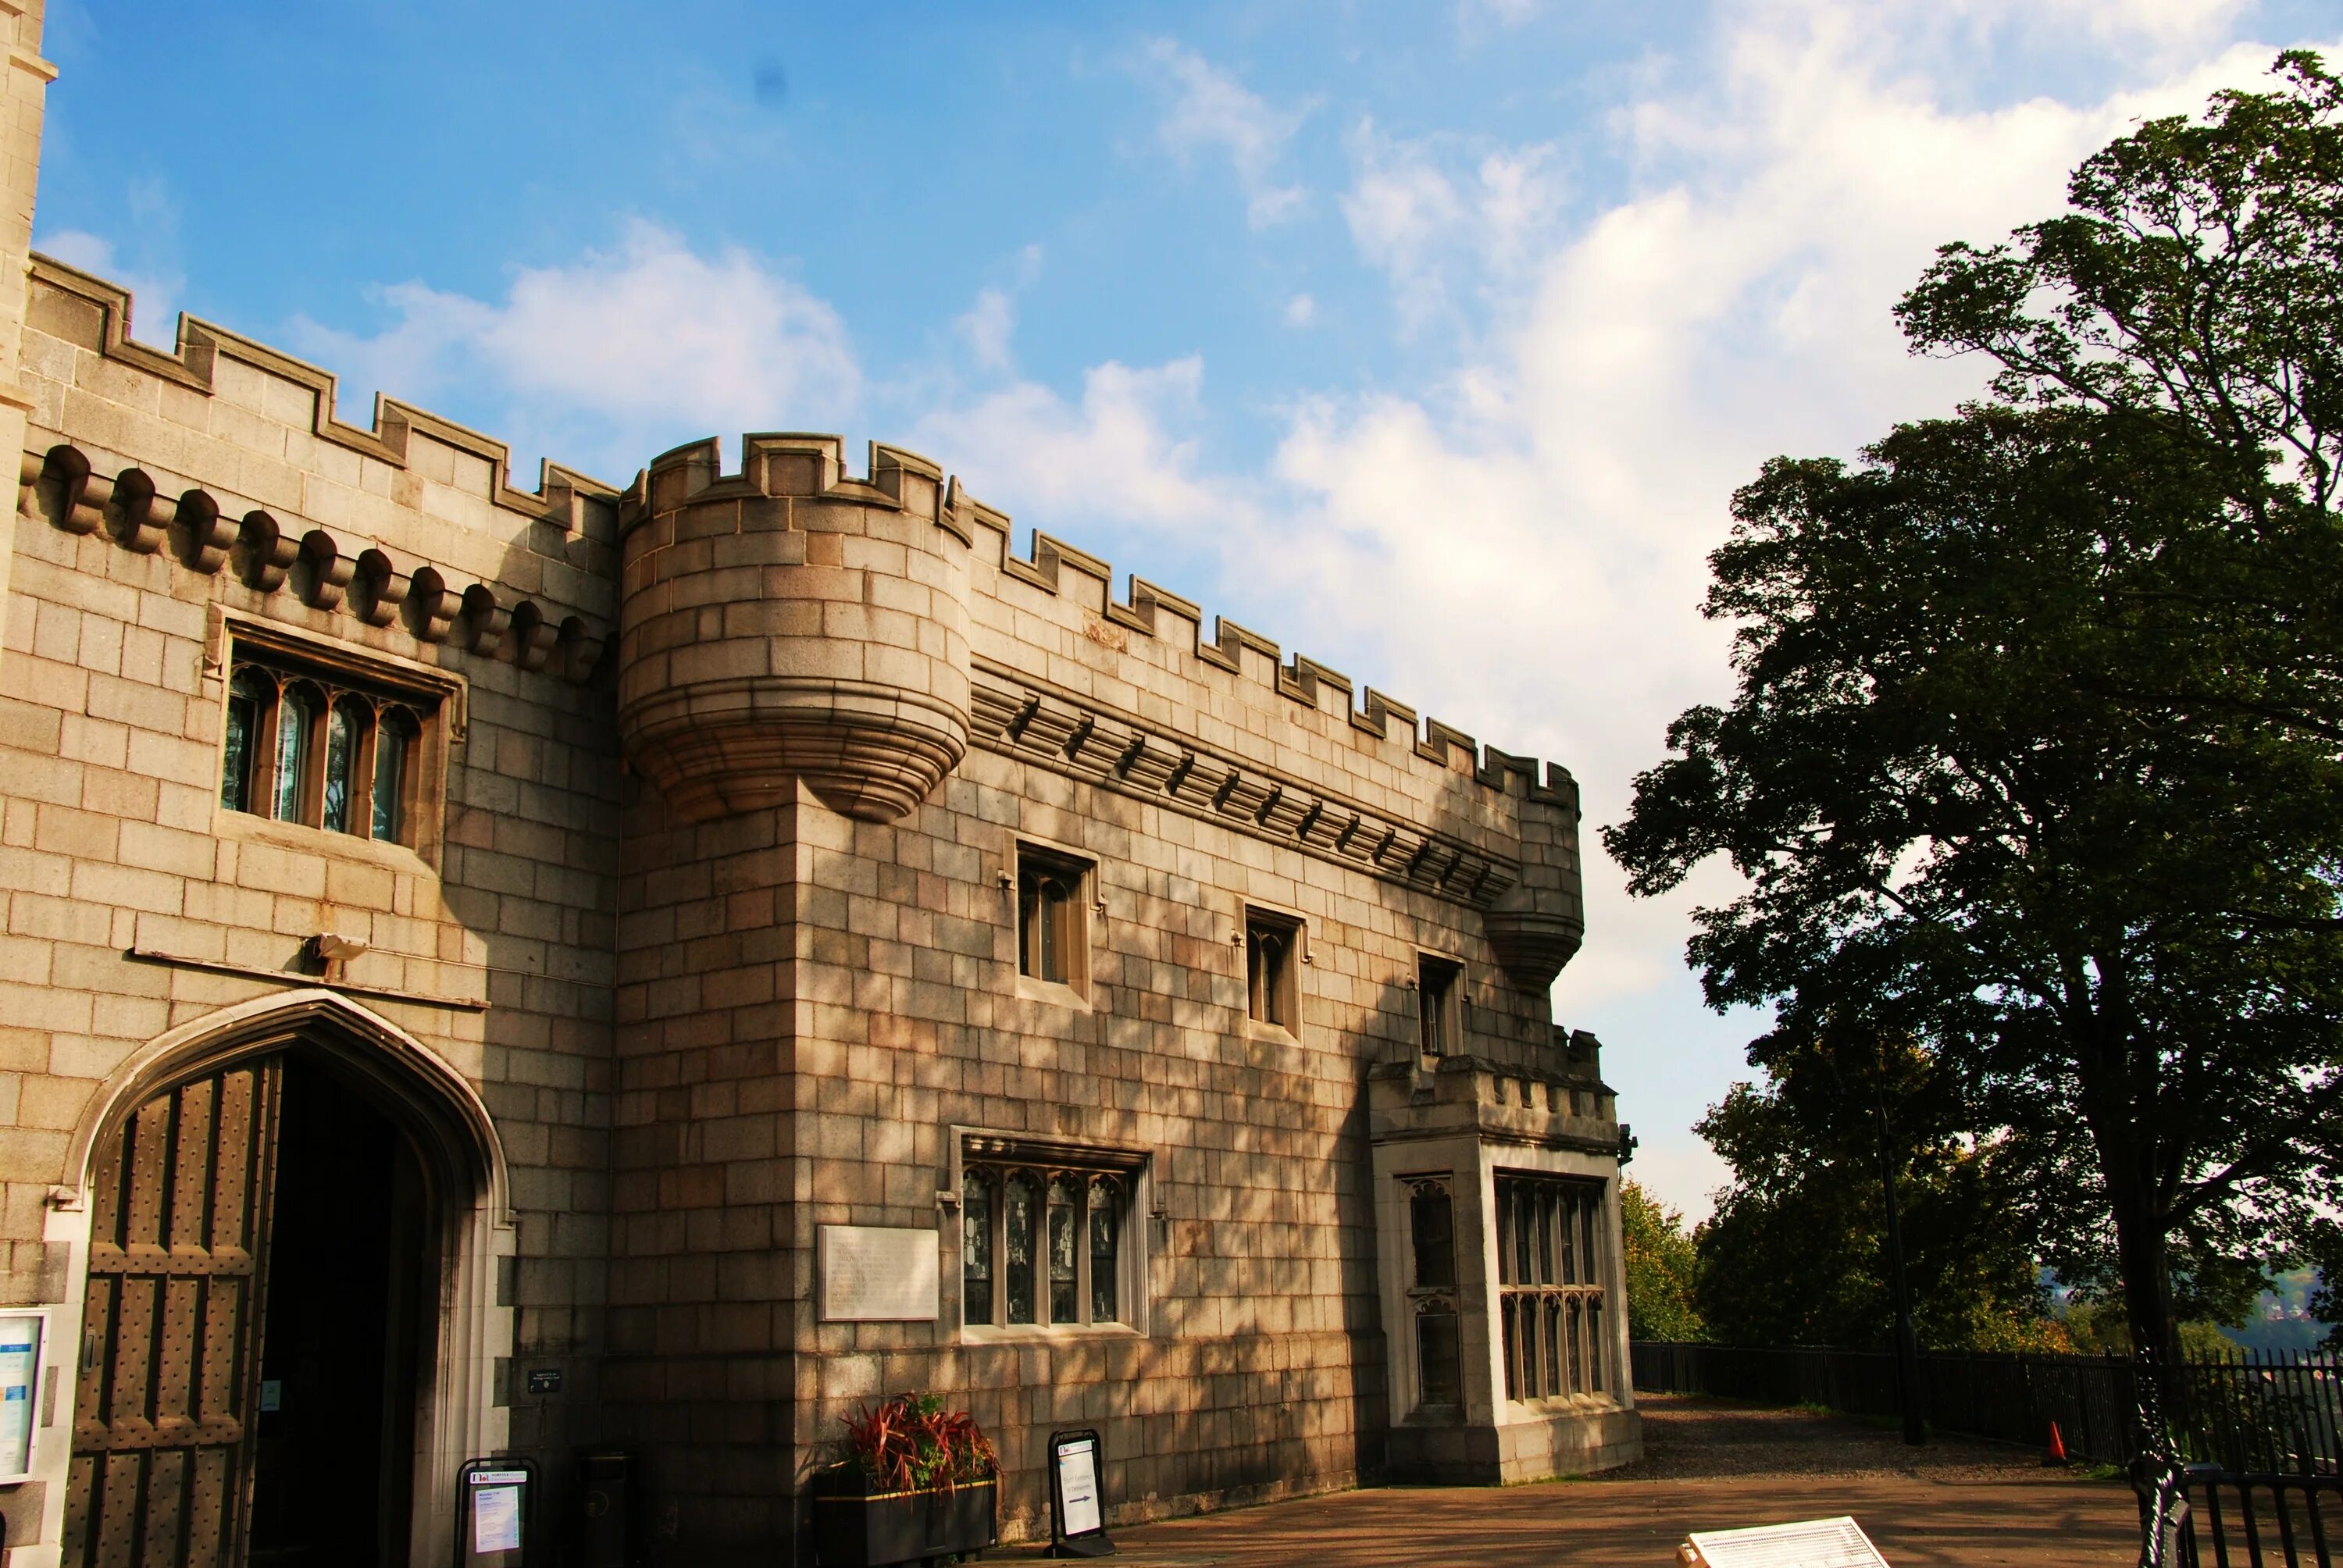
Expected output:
{"points": [[341, 1355]]}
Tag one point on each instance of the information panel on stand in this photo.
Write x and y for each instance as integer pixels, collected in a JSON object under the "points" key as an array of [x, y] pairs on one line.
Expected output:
{"points": [[493, 1509], [1077, 1501]]}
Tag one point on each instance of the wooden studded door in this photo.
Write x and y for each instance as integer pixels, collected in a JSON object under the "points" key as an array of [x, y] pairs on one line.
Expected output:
{"points": [[170, 1333]]}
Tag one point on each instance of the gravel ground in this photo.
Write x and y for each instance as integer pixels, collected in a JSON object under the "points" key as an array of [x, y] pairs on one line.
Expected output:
{"points": [[1689, 1438]]}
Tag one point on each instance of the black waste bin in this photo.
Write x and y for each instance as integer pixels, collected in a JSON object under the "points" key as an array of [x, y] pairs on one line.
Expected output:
{"points": [[606, 1487]]}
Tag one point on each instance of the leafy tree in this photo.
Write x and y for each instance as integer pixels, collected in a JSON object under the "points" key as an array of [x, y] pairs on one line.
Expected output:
{"points": [[1795, 1252], [2099, 1328], [1659, 1261], [2033, 755]]}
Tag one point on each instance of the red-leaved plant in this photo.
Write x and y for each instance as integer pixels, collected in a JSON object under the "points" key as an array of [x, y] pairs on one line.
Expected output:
{"points": [[911, 1443]]}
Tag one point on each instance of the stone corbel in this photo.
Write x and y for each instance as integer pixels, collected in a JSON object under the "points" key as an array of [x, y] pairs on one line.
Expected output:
{"points": [[130, 516], [379, 588], [264, 551]]}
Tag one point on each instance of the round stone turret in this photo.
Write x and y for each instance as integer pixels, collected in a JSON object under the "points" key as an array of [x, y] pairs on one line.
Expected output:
{"points": [[1535, 925], [790, 623]]}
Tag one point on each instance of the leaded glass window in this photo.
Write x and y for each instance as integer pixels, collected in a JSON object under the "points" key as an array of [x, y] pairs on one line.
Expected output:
{"points": [[303, 747], [349, 726], [1041, 1242], [1551, 1295], [976, 1211], [251, 703], [297, 717], [1432, 1295]]}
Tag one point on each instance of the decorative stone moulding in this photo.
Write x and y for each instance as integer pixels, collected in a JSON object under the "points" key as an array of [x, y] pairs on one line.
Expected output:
{"points": [[1054, 731], [324, 572], [792, 624]]}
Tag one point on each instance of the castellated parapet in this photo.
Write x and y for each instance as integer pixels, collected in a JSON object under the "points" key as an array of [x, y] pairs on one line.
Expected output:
{"points": [[790, 623]]}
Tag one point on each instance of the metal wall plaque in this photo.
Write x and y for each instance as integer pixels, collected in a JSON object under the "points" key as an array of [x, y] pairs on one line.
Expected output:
{"points": [[876, 1274]]}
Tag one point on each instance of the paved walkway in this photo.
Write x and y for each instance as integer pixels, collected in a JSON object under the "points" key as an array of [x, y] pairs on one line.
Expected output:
{"points": [[1709, 1466]]}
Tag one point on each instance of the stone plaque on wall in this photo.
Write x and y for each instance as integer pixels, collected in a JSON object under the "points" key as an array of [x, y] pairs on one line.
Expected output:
{"points": [[870, 1274]]}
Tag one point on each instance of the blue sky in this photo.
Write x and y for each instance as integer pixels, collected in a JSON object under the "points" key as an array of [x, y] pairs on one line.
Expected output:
{"points": [[1428, 339]]}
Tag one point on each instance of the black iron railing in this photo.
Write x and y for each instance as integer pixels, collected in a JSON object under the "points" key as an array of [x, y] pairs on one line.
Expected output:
{"points": [[2251, 1412], [2249, 1519]]}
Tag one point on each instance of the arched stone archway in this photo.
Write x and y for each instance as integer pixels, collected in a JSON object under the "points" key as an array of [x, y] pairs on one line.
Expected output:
{"points": [[172, 1197]]}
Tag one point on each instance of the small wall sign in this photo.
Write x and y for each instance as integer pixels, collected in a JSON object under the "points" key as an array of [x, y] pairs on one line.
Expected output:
{"points": [[22, 1336], [1077, 1498], [545, 1380]]}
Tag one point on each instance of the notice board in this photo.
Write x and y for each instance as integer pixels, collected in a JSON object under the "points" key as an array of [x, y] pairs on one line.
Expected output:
{"points": [[874, 1275]]}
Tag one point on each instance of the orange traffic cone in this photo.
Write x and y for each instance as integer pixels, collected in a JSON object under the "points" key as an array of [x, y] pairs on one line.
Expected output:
{"points": [[2058, 1446]]}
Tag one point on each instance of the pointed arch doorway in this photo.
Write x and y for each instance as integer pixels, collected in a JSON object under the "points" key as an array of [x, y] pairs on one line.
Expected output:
{"points": [[279, 1352]]}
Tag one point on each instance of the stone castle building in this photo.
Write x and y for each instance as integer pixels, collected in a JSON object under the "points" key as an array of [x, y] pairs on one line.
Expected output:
{"points": [[495, 971]]}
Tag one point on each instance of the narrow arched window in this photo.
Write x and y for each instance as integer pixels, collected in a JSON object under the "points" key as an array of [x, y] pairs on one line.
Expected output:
{"points": [[345, 732], [394, 740], [1270, 942], [297, 717], [1019, 1199], [250, 696], [1106, 1208], [976, 1250], [1065, 1260]]}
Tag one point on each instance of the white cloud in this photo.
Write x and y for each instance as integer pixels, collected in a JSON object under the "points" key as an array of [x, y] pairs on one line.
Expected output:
{"points": [[986, 326], [1300, 310], [2164, 28], [1211, 110], [1115, 457], [1503, 13], [603, 360], [1435, 212]]}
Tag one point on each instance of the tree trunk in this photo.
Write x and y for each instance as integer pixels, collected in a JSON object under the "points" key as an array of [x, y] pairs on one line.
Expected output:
{"points": [[2117, 1109], [2143, 1229]]}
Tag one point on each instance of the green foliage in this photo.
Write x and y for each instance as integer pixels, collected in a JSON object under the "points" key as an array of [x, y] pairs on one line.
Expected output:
{"points": [[1660, 1265], [2195, 283], [1797, 1252], [2099, 1328], [2034, 758]]}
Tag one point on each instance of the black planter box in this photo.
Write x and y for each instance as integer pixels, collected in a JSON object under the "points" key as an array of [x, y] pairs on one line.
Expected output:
{"points": [[854, 1531]]}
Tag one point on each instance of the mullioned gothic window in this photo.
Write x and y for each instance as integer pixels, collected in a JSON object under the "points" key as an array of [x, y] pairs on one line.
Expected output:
{"points": [[1043, 1244], [311, 748], [1550, 1277]]}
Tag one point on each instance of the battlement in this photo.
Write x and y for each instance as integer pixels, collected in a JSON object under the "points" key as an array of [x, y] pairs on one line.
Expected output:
{"points": [[96, 314], [796, 466], [93, 314]]}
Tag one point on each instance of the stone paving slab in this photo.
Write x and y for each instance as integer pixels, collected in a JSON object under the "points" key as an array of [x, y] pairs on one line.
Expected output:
{"points": [[1710, 1464], [1917, 1523]]}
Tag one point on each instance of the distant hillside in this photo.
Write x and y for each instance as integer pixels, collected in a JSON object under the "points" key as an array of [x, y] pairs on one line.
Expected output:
{"points": [[2282, 1320]]}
